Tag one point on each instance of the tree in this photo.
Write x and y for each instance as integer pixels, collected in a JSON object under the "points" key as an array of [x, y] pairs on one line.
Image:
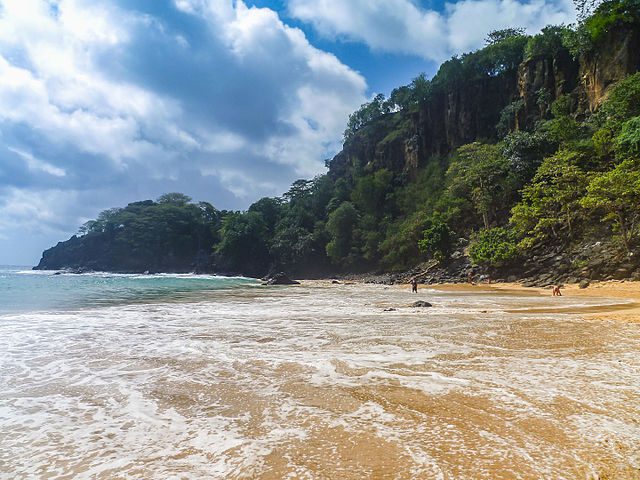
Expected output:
{"points": [[271, 211], [401, 97], [497, 36], [437, 240], [480, 173], [584, 8], [525, 152], [366, 113], [174, 198], [370, 192], [616, 194], [420, 88], [550, 205], [627, 143], [243, 246], [548, 42], [623, 102], [340, 228], [493, 247]]}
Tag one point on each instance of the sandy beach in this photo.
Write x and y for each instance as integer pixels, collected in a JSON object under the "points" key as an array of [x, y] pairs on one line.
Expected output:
{"points": [[627, 309], [620, 299], [323, 381]]}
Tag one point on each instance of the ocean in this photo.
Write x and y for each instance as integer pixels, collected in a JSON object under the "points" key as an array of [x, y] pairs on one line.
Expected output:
{"points": [[107, 376]]}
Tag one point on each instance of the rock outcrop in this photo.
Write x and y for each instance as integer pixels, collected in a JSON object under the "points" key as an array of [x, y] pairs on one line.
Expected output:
{"points": [[402, 142], [280, 278], [618, 55]]}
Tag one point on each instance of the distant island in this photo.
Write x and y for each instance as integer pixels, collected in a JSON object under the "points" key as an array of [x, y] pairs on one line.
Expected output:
{"points": [[520, 160]]}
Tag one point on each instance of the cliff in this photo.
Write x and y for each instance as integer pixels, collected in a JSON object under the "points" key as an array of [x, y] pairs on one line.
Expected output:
{"points": [[470, 111], [402, 190]]}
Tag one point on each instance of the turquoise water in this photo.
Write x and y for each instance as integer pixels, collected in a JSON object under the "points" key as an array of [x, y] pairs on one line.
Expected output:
{"points": [[25, 290]]}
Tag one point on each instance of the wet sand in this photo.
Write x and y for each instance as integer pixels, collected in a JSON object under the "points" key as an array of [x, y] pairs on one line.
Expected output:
{"points": [[625, 293], [323, 381]]}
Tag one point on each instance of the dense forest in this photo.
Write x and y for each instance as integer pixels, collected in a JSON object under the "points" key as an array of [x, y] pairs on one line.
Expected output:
{"points": [[530, 144]]}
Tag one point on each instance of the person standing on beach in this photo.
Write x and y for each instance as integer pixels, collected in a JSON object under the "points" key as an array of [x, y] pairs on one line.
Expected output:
{"points": [[414, 285], [556, 291]]}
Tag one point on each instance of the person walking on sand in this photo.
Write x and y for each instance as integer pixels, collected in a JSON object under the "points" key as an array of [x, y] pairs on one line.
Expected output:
{"points": [[414, 285], [556, 291]]}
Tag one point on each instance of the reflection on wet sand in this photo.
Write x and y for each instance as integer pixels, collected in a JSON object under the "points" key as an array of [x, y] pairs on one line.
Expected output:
{"points": [[319, 382]]}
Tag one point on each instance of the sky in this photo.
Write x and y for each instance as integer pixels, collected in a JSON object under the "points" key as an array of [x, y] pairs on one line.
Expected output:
{"points": [[107, 102]]}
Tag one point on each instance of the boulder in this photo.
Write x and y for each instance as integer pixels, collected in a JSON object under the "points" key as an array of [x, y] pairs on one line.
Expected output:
{"points": [[421, 303], [280, 279], [584, 283]]}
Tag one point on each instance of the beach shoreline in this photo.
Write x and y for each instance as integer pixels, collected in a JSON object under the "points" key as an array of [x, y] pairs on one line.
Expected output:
{"points": [[626, 294]]}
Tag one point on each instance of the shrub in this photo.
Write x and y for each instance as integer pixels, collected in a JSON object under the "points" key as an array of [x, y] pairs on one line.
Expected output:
{"points": [[627, 143], [623, 101], [436, 240], [548, 42], [612, 14], [493, 247]]}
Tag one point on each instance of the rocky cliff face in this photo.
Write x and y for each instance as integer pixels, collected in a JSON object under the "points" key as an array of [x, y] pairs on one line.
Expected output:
{"points": [[617, 56], [465, 114], [541, 80], [403, 141]]}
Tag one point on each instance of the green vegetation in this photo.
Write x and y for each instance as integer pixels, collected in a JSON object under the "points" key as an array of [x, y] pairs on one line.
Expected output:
{"points": [[402, 191], [616, 193], [162, 235], [437, 240], [493, 247], [481, 176]]}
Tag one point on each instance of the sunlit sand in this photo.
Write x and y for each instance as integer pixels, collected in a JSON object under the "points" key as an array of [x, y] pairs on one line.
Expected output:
{"points": [[318, 381]]}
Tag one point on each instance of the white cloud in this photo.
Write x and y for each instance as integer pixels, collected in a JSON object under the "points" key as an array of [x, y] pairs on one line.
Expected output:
{"points": [[35, 211], [222, 101], [401, 26], [35, 164]]}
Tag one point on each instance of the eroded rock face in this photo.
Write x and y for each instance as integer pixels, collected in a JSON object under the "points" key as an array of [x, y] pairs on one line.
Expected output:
{"points": [[617, 57], [404, 141], [552, 76]]}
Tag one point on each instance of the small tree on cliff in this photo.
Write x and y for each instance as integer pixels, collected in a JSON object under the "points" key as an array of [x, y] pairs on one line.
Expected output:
{"points": [[437, 240], [617, 195], [493, 247], [481, 174], [497, 36], [550, 205], [340, 227]]}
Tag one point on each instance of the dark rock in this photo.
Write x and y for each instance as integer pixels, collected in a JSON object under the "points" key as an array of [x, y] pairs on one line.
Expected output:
{"points": [[281, 279], [621, 274], [512, 279], [421, 303], [584, 283], [389, 310]]}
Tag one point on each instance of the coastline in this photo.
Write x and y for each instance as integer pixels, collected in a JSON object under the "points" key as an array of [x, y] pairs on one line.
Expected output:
{"points": [[625, 293], [290, 381]]}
